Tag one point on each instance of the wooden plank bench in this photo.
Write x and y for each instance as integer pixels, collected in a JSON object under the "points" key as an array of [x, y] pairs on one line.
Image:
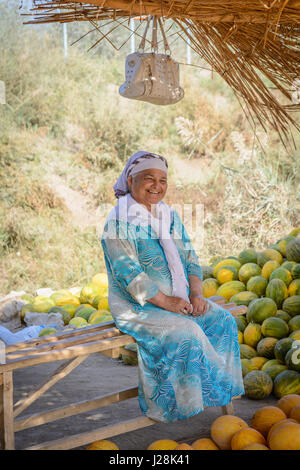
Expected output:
{"points": [[74, 346]]}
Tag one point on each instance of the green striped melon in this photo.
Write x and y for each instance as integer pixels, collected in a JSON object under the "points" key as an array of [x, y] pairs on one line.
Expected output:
{"points": [[274, 327], [274, 370], [295, 271], [282, 244], [252, 334], [294, 323], [295, 232], [241, 322], [268, 268], [274, 247], [207, 272], [247, 366], [85, 313], [265, 347], [226, 273], [228, 289], [283, 274], [258, 385], [247, 352], [292, 358], [293, 250], [248, 256], [277, 291], [287, 383], [282, 347], [257, 285], [283, 315], [243, 298], [260, 309], [294, 287], [226, 262], [270, 363], [288, 265], [291, 305], [295, 335], [267, 255], [249, 270], [215, 260], [258, 362], [209, 287]]}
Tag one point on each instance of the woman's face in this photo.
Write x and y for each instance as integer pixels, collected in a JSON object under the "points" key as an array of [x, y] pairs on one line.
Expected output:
{"points": [[148, 186]]}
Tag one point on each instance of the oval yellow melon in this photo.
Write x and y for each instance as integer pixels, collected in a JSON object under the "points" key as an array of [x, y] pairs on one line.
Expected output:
{"points": [[101, 279], [209, 287], [223, 429], [295, 413], [268, 268], [228, 261], [285, 437], [67, 300], [256, 447], [204, 444], [228, 289], [252, 334], [163, 444], [287, 402], [103, 304], [103, 445], [245, 437], [264, 418], [226, 274], [258, 361], [183, 446], [240, 337], [279, 423]]}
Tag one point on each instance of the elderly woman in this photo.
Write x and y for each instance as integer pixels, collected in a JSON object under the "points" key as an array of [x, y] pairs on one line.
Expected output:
{"points": [[188, 351]]}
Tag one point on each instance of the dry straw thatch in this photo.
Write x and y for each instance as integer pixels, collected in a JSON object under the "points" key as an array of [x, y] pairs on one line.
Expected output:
{"points": [[253, 44]]}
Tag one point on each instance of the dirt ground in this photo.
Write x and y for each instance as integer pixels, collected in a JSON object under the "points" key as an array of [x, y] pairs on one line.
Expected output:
{"points": [[99, 375]]}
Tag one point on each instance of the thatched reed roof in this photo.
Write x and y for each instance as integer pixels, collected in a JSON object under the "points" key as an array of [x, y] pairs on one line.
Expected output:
{"points": [[246, 42]]}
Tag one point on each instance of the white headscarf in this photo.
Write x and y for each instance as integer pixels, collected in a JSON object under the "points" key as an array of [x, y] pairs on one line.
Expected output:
{"points": [[138, 162]]}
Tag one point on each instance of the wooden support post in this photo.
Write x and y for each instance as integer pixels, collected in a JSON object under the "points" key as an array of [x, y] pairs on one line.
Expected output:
{"points": [[6, 412], [228, 409]]}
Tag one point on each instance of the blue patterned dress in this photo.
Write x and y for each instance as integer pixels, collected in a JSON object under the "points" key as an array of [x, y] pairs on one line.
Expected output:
{"points": [[185, 363]]}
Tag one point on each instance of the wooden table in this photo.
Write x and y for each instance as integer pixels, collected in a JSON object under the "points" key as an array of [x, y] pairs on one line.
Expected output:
{"points": [[73, 347]]}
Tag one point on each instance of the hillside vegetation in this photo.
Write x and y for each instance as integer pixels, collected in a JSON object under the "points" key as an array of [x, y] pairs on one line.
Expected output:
{"points": [[65, 125]]}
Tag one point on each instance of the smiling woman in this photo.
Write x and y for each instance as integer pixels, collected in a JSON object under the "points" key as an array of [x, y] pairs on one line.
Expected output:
{"points": [[188, 350]]}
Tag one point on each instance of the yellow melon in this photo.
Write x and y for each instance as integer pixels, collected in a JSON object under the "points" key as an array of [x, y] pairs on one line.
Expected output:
{"points": [[223, 429], [163, 444], [264, 418], [258, 361], [245, 437], [256, 447], [287, 402], [295, 413], [103, 445], [279, 423], [204, 443], [183, 446], [285, 437]]}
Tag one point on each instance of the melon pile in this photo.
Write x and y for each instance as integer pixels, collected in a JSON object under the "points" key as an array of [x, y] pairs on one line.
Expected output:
{"points": [[87, 306], [271, 428], [268, 283]]}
